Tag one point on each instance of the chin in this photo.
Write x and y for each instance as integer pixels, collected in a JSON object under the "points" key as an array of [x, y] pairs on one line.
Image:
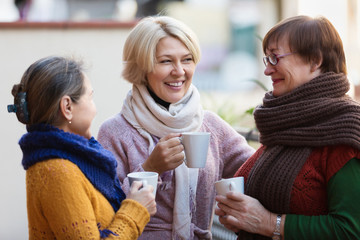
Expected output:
{"points": [[279, 92], [275, 94], [173, 99], [177, 100], [87, 135]]}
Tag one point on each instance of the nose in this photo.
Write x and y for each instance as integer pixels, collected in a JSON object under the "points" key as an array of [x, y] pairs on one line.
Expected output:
{"points": [[269, 69], [178, 69]]}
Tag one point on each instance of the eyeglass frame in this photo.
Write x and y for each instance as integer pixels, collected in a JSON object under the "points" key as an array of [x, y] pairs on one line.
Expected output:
{"points": [[266, 59]]}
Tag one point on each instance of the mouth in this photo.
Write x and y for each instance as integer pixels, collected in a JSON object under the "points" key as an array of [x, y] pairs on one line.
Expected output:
{"points": [[276, 80], [175, 84]]}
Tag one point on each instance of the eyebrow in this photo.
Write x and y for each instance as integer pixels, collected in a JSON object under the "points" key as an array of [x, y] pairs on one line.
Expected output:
{"points": [[273, 49], [169, 55]]}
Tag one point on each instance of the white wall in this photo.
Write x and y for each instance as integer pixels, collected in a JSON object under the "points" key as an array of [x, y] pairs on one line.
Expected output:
{"points": [[344, 15], [100, 48]]}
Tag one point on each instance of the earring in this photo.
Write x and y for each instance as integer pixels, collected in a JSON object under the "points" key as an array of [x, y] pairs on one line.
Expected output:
{"points": [[70, 122]]}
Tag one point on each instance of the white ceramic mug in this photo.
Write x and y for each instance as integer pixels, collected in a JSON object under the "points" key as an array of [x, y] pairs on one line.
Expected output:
{"points": [[146, 178], [196, 146], [224, 186]]}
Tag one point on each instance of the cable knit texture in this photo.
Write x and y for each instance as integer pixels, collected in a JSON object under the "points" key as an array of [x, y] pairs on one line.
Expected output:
{"points": [[63, 204], [72, 189], [314, 115], [307, 196]]}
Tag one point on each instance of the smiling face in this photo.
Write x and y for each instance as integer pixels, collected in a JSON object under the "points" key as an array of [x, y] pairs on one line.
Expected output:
{"points": [[173, 71], [291, 71]]}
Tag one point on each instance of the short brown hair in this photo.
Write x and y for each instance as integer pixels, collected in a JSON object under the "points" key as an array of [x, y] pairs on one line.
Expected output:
{"points": [[45, 82], [139, 54], [313, 39]]}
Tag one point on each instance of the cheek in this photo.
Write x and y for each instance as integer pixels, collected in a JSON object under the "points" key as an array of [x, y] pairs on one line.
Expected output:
{"points": [[291, 77], [154, 79], [94, 109], [90, 110], [190, 72], [298, 77], [160, 72]]}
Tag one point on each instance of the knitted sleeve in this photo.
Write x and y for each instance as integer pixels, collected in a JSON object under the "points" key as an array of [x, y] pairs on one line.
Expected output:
{"points": [[130, 220], [63, 204], [128, 146], [343, 220]]}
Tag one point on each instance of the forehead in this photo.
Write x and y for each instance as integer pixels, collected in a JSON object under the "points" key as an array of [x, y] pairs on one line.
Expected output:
{"points": [[87, 82], [278, 44], [168, 45]]}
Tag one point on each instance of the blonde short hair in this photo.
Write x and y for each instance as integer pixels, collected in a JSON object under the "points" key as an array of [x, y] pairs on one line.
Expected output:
{"points": [[139, 54]]}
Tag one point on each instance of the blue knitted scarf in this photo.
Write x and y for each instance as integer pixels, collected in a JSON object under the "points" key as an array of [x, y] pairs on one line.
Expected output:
{"points": [[43, 142]]}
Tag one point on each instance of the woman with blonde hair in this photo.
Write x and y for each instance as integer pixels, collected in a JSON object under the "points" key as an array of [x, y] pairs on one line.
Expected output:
{"points": [[160, 57]]}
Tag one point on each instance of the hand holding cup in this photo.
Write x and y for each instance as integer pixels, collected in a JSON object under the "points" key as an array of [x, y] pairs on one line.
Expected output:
{"points": [[147, 178], [143, 195]]}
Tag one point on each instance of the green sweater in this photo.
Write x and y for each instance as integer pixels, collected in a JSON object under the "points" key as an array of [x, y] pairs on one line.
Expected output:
{"points": [[343, 219]]}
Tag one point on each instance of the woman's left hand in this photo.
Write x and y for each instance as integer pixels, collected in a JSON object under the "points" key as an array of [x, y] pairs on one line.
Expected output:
{"points": [[144, 196], [239, 211]]}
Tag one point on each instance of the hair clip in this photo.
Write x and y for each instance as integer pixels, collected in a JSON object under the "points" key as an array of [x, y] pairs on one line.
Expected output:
{"points": [[20, 108], [11, 108]]}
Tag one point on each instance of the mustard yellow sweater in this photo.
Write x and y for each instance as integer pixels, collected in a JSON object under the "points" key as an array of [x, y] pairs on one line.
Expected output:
{"points": [[63, 204]]}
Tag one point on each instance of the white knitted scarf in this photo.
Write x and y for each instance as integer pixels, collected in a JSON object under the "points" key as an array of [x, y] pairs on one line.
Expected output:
{"points": [[150, 118]]}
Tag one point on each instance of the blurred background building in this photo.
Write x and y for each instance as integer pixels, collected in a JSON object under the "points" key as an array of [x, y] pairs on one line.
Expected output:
{"points": [[229, 76]]}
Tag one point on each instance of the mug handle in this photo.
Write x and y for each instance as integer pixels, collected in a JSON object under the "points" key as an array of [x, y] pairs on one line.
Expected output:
{"points": [[181, 142], [145, 183]]}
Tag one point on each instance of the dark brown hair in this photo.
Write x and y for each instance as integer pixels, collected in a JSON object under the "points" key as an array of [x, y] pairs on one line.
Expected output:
{"points": [[45, 82], [312, 39]]}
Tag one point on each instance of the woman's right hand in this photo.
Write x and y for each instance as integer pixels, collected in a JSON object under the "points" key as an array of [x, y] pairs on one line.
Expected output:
{"points": [[239, 211], [144, 196], [167, 155]]}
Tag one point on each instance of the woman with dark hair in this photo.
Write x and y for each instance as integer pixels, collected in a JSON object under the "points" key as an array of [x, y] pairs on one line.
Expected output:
{"points": [[304, 181], [71, 184]]}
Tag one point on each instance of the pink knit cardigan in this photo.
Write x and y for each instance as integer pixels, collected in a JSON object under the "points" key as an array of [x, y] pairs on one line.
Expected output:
{"points": [[227, 152]]}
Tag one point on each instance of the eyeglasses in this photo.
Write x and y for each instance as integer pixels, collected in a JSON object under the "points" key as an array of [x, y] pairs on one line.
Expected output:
{"points": [[273, 59]]}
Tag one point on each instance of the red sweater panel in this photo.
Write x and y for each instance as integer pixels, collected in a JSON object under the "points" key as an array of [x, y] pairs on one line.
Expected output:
{"points": [[309, 190]]}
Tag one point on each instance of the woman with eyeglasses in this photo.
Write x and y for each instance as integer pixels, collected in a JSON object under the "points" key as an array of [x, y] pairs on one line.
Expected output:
{"points": [[304, 181]]}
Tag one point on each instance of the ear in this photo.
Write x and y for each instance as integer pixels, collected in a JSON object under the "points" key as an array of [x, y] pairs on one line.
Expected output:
{"points": [[315, 64], [66, 107]]}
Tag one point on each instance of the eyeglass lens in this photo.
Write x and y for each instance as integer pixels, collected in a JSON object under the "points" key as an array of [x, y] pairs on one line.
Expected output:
{"points": [[271, 58]]}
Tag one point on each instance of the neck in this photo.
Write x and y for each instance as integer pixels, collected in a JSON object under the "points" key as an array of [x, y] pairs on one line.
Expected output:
{"points": [[158, 100]]}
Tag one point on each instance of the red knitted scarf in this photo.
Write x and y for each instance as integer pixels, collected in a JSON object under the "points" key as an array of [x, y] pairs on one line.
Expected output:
{"points": [[315, 114]]}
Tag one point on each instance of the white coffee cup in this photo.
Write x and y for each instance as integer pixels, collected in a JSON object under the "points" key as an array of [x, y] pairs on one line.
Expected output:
{"points": [[196, 146], [146, 178], [224, 186]]}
